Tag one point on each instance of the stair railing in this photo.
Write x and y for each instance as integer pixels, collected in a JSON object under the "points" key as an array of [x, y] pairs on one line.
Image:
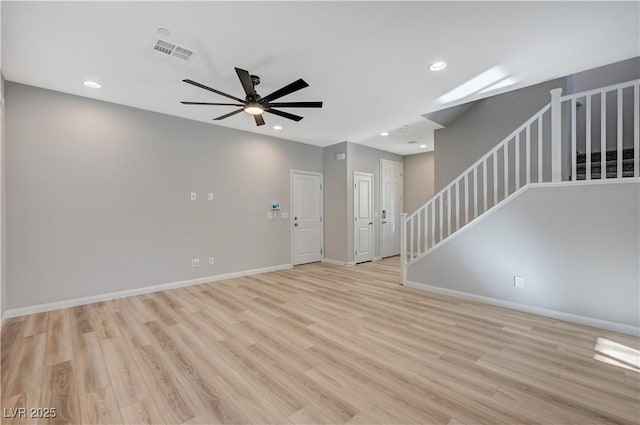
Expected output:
{"points": [[615, 107], [509, 165], [517, 160]]}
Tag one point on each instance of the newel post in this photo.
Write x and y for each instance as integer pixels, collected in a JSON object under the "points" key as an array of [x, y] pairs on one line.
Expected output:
{"points": [[556, 135], [403, 248]]}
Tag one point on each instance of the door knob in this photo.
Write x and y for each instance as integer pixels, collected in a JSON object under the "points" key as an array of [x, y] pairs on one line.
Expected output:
{"points": [[370, 223], [295, 224], [384, 222]]}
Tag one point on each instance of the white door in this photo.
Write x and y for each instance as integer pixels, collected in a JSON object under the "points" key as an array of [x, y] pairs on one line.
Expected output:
{"points": [[391, 206], [307, 217], [363, 216]]}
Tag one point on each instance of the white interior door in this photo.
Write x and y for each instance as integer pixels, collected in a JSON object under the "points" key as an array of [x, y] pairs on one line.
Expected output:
{"points": [[363, 214], [391, 206], [307, 217]]}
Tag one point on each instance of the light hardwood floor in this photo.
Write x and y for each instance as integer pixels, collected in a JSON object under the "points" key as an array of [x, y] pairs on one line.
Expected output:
{"points": [[315, 344]]}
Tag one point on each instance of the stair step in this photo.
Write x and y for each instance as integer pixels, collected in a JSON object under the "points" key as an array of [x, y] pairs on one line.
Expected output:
{"points": [[611, 156], [597, 176], [597, 167]]}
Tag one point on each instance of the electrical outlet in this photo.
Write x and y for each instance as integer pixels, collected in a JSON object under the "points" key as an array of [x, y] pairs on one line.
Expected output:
{"points": [[211, 261], [518, 281], [195, 262], [210, 196], [193, 196]]}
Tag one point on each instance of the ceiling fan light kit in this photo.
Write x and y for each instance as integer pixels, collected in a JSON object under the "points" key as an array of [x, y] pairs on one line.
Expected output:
{"points": [[253, 103]]}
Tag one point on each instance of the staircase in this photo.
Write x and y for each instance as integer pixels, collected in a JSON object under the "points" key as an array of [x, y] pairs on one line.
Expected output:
{"points": [[532, 154], [611, 165]]}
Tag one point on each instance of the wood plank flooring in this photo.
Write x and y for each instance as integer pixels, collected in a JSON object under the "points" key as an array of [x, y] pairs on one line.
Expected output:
{"points": [[316, 344]]}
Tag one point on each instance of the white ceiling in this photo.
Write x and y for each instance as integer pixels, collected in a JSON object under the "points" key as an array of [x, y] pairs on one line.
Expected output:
{"points": [[366, 60]]}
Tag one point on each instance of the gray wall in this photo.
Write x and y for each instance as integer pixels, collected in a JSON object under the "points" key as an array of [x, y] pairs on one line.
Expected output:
{"points": [[577, 248], [483, 126], [366, 160], [418, 180], [98, 197], [336, 218], [3, 204]]}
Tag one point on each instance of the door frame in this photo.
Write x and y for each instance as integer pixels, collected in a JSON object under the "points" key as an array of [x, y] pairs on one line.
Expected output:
{"points": [[373, 223], [388, 161], [291, 238]]}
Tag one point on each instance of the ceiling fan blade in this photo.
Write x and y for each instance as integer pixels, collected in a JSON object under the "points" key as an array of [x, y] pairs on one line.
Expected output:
{"points": [[221, 117], [247, 84], [284, 114], [208, 103], [259, 120], [295, 105], [288, 89], [202, 86]]}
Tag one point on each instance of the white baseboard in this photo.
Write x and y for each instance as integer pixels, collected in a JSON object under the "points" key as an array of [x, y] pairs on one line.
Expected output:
{"points": [[540, 311], [338, 262], [377, 258], [39, 308]]}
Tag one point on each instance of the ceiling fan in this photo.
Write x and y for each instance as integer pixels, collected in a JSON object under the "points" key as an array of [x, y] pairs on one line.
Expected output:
{"points": [[253, 103]]}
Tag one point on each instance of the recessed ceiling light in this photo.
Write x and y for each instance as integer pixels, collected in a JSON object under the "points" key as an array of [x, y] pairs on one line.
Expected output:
{"points": [[163, 31], [92, 84], [384, 133], [277, 127], [438, 66], [422, 146]]}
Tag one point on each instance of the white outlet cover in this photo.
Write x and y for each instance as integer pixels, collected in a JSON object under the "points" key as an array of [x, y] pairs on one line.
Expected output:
{"points": [[193, 196], [518, 281], [210, 196], [195, 262], [211, 261], [284, 215]]}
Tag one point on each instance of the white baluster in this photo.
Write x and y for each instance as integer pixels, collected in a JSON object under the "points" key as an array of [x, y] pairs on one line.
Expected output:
{"points": [[457, 204], [495, 177], [419, 232], [426, 227], [517, 160], [484, 184], [574, 148], [636, 129], [433, 223], [603, 135], [556, 135], [475, 192], [527, 154], [466, 198], [588, 146], [619, 166], [411, 239], [449, 211], [506, 169], [540, 149], [441, 202]]}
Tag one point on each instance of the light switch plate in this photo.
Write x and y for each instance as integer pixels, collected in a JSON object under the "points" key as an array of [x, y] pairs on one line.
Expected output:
{"points": [[270, 215], [518, 281], [193, 196], [210, 196], [284, 215]]}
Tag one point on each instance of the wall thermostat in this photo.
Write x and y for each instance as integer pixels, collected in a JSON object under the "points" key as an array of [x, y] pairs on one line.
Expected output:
{"points": [[275, 206]]}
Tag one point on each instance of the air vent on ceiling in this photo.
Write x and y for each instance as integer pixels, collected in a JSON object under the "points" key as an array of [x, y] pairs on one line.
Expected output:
{"points": [[171, 49]]}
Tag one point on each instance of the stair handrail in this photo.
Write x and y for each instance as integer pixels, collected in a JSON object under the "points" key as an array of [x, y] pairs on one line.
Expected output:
{"points": [[445, 193]]}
